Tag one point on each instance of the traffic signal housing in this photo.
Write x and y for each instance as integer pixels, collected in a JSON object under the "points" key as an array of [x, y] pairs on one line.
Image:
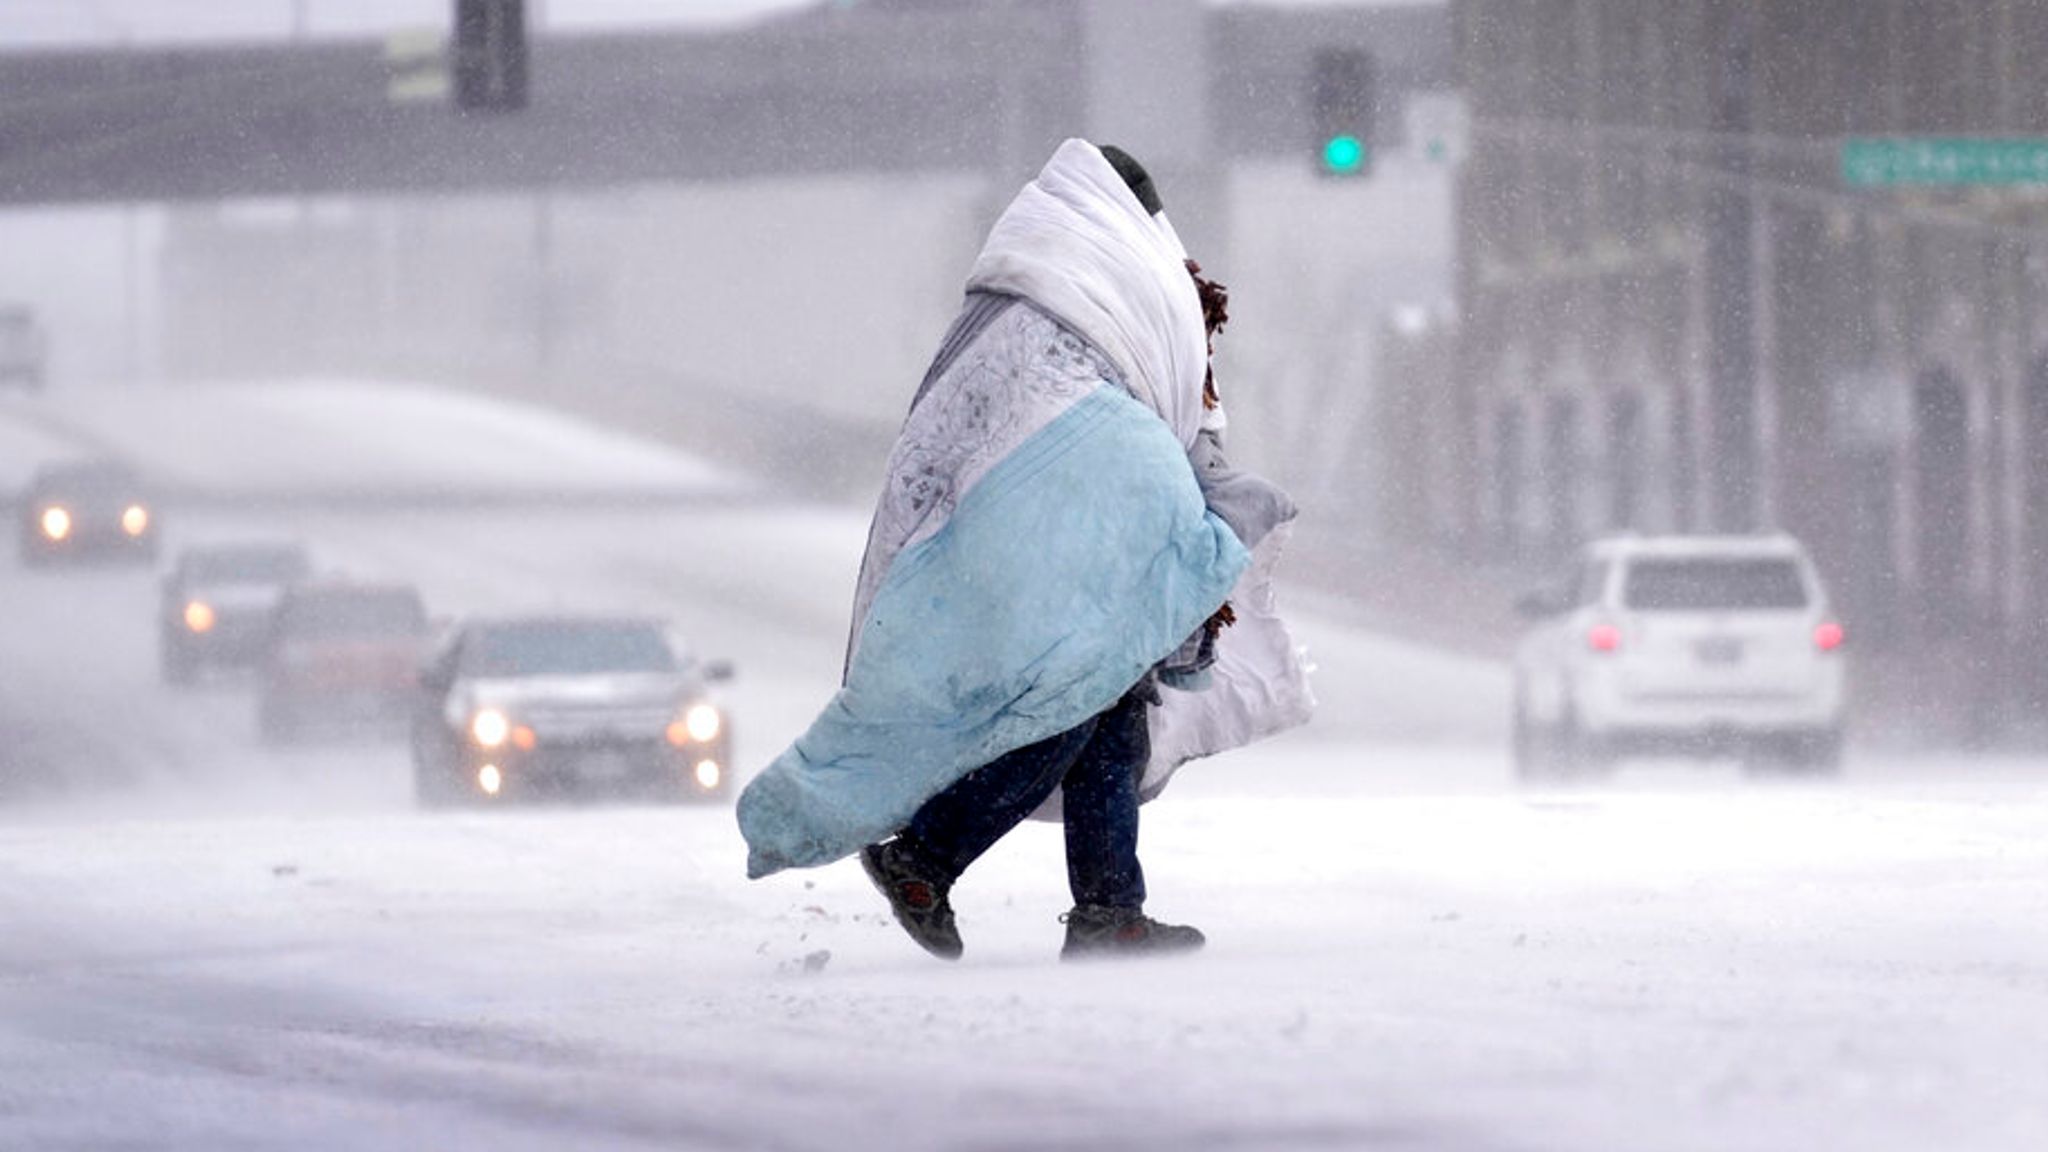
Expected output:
{"points": [[490, 55], [1343, 97]]}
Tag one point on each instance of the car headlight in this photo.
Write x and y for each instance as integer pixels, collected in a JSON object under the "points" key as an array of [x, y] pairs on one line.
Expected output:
{"points": [[708, 774], [135, 520], [702, 723], [490, 728], [199, 616], [56, 523]]}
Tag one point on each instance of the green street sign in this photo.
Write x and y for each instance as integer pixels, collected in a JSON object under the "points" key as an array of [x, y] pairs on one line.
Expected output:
{"points": [[1943, 161]]}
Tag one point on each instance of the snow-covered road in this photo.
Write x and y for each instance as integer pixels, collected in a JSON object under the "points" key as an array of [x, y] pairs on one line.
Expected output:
{"points": [[205, 944]]}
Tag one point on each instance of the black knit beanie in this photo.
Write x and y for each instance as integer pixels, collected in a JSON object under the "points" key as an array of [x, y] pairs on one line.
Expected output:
{"points": [[1134, 174]]}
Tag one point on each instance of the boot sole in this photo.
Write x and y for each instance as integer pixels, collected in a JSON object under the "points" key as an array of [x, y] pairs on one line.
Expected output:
{"points": [[944, 950]]}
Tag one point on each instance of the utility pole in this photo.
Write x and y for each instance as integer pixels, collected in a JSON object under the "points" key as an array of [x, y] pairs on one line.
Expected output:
{"points": [[131, 295], [544, 279], [131, 254], [1730, 270]]}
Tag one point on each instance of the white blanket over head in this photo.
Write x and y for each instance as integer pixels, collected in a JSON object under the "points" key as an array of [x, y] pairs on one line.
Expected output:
{"points": [[1077, 243]]}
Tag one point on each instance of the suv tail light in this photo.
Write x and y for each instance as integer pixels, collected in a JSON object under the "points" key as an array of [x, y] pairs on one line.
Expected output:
{"points": [[1603, 638], [1829, 636]]}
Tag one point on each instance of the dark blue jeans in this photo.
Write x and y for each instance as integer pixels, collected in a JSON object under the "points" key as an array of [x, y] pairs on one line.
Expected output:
{"points": [[1098, 763]]}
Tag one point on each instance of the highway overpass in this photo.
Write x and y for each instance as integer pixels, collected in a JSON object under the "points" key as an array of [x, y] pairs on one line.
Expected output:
{"points": [[884, 86]]}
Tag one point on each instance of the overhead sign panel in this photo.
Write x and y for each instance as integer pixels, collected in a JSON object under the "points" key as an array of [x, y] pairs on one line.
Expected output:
{"points": [[1937, 161]]}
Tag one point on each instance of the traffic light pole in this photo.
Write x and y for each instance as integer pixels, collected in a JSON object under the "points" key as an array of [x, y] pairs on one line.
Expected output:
{"points": [[1732, 457]]}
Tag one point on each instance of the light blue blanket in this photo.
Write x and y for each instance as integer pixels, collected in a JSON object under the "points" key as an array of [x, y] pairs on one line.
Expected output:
{"points": [[1074, 565]]}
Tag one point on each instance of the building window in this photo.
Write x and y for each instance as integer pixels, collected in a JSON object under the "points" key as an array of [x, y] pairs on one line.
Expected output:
{"points": [[1941, 430], [2036, 462], [1624, 460], [1507, 477], [1561, 471], [1685, 475]]}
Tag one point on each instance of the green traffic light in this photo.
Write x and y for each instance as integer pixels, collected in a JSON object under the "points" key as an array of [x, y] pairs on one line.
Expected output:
{"points": [[1343, 155]]}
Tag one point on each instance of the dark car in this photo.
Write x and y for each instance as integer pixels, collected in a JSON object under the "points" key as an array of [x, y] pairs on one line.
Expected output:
{"points": [[86, 509], [544, 707], [340, 659], [217, 603]]}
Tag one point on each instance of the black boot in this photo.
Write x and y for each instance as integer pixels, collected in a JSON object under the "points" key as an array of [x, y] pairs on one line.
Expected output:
{"points": [[918, 900], [1095, 930]]}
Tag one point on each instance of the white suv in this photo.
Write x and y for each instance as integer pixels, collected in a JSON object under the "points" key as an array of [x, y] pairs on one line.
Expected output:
{"points": [[1680, 644]]}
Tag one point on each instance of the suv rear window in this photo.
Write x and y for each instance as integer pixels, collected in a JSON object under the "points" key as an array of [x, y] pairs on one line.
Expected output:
{"points": [[1714, 585]]}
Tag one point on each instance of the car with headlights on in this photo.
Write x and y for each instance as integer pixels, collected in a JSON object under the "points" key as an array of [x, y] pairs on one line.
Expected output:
{"points": [[86, 509], [1681, 644], [545, 707], [339, 658], [216, 604]]}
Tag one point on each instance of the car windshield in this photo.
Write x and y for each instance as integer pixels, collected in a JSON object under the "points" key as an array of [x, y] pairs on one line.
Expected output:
{"points": [[250, 566], [345, 614], [89, 481], [567, 649], [1714, 585]]}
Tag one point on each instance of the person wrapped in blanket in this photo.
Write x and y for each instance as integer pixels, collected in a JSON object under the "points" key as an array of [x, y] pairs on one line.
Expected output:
{"points": [[1045, 617]]}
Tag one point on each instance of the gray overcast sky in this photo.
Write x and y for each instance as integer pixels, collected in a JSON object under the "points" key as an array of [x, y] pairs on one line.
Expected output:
{"points": [[38, 23]]}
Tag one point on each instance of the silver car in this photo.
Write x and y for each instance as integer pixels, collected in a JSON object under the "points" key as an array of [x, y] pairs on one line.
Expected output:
{"points": [[563, 706]]}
